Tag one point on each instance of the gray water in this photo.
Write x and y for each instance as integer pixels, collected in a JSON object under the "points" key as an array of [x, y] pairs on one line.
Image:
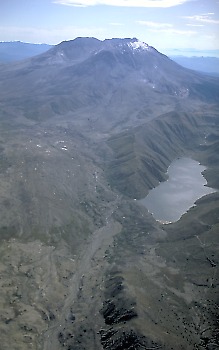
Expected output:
{"points": [[172, 198]]}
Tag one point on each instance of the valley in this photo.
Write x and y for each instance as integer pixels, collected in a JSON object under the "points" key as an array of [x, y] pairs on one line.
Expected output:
{"points": [[87, 129]]}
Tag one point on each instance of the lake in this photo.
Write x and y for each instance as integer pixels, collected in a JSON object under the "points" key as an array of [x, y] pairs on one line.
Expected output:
{"points": [[172, 198]]}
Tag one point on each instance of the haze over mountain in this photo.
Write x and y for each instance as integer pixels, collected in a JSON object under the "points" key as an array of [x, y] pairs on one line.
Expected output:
{"points": [[87, 129], [16, 50], [201, 64]]}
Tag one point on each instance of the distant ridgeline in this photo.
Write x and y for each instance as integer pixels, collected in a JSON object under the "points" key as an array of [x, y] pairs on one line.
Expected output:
{"points": [[16, 50]]}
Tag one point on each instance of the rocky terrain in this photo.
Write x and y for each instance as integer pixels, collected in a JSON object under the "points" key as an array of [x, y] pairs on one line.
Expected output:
{"points": [[87, 129]]}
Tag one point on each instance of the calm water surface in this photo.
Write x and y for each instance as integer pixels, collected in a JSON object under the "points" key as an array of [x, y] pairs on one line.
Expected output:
{"points": [[172, 198]]}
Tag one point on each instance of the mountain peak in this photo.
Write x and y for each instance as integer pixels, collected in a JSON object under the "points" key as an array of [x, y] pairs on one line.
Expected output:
{"points": [[76, 49], [132, 43], [82, 47], [81, 42]]}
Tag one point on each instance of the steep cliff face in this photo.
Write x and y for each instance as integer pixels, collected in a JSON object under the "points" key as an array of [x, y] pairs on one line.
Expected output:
{"points": [[87, 129]]}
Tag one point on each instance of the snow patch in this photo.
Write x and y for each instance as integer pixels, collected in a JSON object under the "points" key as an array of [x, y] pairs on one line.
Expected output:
{"points": [[139, 45]]}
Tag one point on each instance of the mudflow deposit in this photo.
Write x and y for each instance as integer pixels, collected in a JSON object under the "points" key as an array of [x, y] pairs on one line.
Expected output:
{"points": [[86, 130]]}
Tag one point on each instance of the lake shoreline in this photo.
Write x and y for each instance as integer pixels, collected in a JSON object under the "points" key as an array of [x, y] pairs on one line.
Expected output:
{"points": [[184, 186]]}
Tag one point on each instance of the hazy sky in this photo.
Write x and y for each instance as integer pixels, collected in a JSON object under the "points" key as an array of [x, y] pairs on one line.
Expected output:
{"points": [[160, 23]]}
